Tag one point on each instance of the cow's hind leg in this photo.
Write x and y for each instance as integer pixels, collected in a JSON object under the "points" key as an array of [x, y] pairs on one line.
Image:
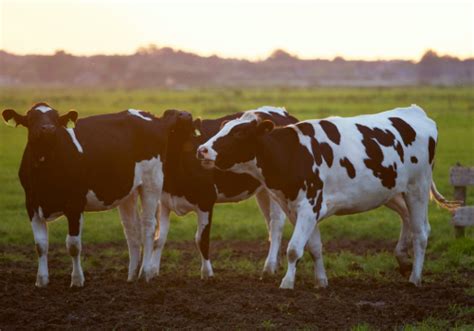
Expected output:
{"points": [[275, 218], [74, 247], [40, 233], [131, 227], [202, 241], [401, 250], [160, 239], [315, 247], [417, 199]]}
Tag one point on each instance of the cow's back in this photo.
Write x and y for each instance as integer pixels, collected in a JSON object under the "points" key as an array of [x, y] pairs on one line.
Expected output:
{"points": [[375, 156]]}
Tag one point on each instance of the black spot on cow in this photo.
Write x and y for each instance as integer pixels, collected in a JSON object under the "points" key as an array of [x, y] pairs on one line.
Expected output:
{"points": [[399, 149], [414, 159], [331, 131], [320, 150], [404, 129], [327, 153], [431, 149], [280, 152], [349, 167], [371, 138]]}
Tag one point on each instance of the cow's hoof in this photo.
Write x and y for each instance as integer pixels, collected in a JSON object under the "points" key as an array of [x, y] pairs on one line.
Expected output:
{"points": [[415, 281], [269, 270], [148, 274], [287, 284], [405, 269], [321, 283], [77, 280], [207, 274], [42, 280]]}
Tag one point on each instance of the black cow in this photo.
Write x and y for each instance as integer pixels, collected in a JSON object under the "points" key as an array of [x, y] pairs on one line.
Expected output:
{"points": [[104, 162], [188, 187]]}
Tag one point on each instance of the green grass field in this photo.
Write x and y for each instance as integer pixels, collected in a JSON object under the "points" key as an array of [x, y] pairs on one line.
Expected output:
{"points": [[451, 108]]}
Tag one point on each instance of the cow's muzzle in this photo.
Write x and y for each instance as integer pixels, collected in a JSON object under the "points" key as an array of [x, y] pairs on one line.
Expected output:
{"points": [[202, 155]]}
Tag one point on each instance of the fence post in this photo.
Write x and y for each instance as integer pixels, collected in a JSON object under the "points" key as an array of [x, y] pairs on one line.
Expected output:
{"points": [[459, 195]]}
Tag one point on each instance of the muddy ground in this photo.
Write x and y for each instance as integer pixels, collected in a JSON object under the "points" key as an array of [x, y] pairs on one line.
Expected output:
{"points": [[232, 300]]}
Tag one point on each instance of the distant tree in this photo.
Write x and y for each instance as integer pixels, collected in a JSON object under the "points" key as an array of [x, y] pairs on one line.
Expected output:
{"points": [[280, 54], [429, 67]]}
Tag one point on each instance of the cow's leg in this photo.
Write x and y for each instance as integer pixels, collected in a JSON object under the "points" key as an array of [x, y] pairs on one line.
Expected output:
{"points": [[40, 232], [305, 224], [131, 227], [417, 201], [202, 241], [316, 249], [275, 218], [150, 197], [74, 247], [160, 240], [401, 250]]}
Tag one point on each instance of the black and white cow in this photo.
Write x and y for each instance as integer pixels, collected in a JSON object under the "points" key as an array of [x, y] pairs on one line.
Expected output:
{"points": [[338, 166], [104, 162], [190, 188]]}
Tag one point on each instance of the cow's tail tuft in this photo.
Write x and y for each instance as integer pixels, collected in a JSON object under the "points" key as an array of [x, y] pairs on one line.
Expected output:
{"points": [[442, 201]]}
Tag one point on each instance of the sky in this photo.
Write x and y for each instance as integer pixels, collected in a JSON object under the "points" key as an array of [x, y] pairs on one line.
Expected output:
{"points": [[382, 29]]}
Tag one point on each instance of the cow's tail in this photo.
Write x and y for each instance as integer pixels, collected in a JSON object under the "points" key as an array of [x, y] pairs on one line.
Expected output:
{"points": [[442, 201]]}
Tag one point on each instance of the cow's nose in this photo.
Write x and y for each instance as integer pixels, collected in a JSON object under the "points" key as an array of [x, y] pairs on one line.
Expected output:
{"points": [[47, 128], [202, 153]]}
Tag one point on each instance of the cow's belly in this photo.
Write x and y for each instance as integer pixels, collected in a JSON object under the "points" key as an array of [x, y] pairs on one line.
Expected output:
{"points": [[180, 205], [147, 170], [221, 197], [363, 193]]}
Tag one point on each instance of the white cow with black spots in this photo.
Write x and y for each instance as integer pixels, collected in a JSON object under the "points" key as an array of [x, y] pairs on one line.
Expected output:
{"points": [[338, 166]]}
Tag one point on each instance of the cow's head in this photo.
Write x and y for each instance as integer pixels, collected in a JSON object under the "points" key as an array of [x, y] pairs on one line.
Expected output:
{"points": [[235, 143], [41, 120], [177, 120]]}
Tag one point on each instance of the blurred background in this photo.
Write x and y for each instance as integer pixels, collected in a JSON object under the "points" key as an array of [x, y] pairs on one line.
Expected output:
{"points": [[186, 44]]}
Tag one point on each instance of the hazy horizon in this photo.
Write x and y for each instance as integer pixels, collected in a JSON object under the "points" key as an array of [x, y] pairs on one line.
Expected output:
{"points": [[362, 30]]}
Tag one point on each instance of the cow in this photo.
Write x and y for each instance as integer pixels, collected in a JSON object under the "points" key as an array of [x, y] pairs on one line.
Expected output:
{"points": [[338, 166], [106, 161], [188, 187]]}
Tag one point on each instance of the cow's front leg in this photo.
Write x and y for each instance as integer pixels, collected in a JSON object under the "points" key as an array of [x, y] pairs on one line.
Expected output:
{"points": [[74, 247], [202, 241], [150, 198], [305, 224], [159, 243], [131, 228], [275, 218], [40, 233]]}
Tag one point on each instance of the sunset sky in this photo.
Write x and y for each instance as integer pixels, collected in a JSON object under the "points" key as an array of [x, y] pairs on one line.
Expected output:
{"points": [[380, 29]]}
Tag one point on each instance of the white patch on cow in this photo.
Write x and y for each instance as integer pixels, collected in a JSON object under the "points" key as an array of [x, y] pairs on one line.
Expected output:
{"points": [[43, 109], [74, 247], [270, 109], [180, 205], [137, 113], [248, 167], [74, 139]]}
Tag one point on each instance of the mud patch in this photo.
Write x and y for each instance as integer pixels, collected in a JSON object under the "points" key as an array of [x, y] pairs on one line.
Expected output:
{"points": [[234, 300]]}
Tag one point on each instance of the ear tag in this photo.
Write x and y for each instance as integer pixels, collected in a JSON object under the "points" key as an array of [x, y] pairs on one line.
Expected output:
{"points": [[197, 133], [70, 125]]}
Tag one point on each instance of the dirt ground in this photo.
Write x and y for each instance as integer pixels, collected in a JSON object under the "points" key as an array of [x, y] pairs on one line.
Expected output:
{"points": [[232, 300]]}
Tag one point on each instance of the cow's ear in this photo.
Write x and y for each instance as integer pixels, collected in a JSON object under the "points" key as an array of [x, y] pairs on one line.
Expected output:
{"points": [[70, 116], [223, 123], [197, 127], [10, 116], [265, 127]]}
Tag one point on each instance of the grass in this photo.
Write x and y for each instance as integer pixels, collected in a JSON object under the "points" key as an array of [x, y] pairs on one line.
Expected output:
{"points": [[451, 108]]}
